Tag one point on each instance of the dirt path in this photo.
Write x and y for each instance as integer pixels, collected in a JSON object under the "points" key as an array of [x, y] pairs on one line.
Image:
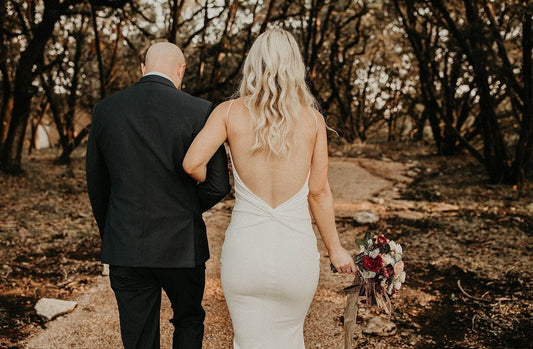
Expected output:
{"points": [[94, 323]]}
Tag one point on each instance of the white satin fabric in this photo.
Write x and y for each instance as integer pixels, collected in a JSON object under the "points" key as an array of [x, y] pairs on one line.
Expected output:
{"points": [[269, 269]]}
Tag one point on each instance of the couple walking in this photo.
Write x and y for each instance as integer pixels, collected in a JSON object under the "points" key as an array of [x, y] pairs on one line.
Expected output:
{"points": [[156, 161]]}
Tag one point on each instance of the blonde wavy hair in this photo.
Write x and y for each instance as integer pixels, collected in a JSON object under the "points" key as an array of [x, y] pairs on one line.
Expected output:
{"points": [[274, 90]]}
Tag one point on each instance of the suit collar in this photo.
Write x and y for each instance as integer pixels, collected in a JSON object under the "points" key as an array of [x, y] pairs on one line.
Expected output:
{"points": [[156, 78]]}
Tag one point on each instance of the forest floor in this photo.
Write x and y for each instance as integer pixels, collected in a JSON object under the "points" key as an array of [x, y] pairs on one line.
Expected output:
{"points": [[467, 249]]}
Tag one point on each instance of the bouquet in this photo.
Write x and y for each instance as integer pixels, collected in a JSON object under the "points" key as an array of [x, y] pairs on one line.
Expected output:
{"points": [[381, 269]]}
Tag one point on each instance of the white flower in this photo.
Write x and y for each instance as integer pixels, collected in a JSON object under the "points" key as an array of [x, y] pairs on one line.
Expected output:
{"points": [[387, 259], [401, 278], [374, 253], [397, 258], [397, 285], [389, 289], [397, 248], [368, 274]]}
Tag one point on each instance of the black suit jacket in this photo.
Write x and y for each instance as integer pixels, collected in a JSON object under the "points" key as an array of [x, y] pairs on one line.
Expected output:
{"points": [[148, 210]]}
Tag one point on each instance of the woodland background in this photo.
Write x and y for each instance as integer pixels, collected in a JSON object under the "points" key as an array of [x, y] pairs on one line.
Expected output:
{"points": [[456, 73]]}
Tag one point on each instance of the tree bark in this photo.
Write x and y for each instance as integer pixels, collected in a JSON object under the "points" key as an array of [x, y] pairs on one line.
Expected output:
{"points": [[494, 149], [101, 73], [7, 98], [68, 128], [10, 156], [175, 14], [525, 142]]}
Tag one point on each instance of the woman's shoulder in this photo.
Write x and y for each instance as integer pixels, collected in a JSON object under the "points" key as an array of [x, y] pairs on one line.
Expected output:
{"points": [[315, 112], [316, 117], [225, 107], [230, 102]]}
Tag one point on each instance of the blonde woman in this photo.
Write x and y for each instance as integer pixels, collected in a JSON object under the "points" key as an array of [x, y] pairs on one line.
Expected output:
{"points": [[278, 148]]}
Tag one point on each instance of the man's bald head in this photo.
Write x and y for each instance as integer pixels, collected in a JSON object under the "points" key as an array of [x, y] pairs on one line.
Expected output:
{"points": [[166, 58]]}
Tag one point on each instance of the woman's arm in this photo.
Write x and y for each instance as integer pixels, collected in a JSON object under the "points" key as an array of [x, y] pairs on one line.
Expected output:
{"points": [[206, 143], [321, 203]]}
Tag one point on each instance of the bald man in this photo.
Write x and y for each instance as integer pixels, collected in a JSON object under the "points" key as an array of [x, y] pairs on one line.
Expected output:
{"points": [[148, 210]]}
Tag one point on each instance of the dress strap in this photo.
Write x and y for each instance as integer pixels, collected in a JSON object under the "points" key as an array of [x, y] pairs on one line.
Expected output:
{"points": [[227, 113], [314, 114], [312, 110]]}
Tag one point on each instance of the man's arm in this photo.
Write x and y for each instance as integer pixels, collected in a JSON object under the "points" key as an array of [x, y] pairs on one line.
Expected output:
{"points": [[98, 182], [216, 184]]}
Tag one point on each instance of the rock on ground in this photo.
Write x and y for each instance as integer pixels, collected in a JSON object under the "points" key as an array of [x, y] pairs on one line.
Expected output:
{"points": [[365, 217], [376, 200], [410, 215], [378, 326], [49, 308]]}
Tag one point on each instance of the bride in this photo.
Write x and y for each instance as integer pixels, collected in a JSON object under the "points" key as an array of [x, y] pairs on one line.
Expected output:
{"points": [[279, 154]]}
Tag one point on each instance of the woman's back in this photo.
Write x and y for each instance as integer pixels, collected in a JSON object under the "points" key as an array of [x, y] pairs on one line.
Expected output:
{"points": [[274, 179]]}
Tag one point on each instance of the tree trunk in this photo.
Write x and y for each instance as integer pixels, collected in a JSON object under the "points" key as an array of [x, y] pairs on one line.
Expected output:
{"points": [[391, 129], [175, 14], [10, 157], [68, 128], [426, 82], [58, 120], [7, 98], [449, 141], [5, 113], [101, 73], [418, 133], [494, 149], [525, 142]]}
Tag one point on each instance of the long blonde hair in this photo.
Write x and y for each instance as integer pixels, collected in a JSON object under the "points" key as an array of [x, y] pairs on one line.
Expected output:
{"points": [[274, 90]]}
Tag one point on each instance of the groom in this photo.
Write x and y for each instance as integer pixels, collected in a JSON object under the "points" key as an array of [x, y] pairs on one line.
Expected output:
{"points": [[148, 210]]}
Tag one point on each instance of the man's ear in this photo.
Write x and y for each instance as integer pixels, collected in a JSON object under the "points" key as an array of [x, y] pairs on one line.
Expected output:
{"points": [[181, 70], [143, 69]]}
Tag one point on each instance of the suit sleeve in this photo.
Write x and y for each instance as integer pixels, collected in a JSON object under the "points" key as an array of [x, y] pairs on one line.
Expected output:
{"points": [[98, 182], [216, 185]]}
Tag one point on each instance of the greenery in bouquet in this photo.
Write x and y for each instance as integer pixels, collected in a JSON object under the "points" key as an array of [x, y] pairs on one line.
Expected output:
{"points": [[381, 269]]}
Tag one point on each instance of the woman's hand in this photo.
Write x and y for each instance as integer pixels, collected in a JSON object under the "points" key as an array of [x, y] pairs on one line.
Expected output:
{"points": [[342, 261]]}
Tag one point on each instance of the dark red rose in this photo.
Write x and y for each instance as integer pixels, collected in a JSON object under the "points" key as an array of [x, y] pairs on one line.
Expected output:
{"points": [[382, 240], [373, 264], [387, 271]]}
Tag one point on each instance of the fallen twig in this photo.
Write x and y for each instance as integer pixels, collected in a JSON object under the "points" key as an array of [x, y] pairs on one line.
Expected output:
{"points": [[469, 295]]}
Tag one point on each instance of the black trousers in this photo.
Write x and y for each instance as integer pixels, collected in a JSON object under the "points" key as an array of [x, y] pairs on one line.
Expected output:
{"points": [[138, 293]]}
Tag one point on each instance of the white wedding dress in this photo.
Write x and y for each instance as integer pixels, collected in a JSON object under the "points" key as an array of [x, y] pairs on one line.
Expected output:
{"points": [[269, 269]]}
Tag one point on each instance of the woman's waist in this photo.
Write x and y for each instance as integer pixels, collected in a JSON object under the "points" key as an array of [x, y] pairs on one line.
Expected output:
{"points": [[295, 210], [270, 232], [269, 240], [298, 219]]}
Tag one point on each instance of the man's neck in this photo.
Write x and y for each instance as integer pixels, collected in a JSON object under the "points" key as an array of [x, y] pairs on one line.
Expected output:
{"points": [[161, 75]]}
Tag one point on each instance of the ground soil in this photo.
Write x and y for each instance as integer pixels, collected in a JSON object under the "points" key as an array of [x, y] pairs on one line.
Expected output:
{"points": [[467, 246]]}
